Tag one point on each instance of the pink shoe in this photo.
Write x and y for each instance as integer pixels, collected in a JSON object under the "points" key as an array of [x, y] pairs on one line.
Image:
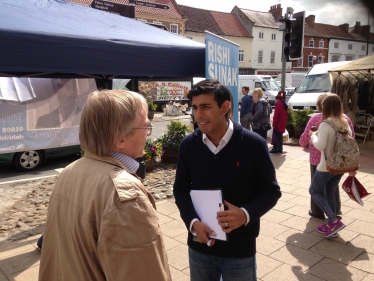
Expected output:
{"points": [[334, 228], [323, 229]]}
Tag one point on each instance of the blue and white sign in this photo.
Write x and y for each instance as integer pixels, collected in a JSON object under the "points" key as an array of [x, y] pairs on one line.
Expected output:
{"points": [[40, 113], [222, 63]]}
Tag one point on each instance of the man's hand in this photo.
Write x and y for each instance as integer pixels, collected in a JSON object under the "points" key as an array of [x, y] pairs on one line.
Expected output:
{"points": [[202, 232], [231, 219]]}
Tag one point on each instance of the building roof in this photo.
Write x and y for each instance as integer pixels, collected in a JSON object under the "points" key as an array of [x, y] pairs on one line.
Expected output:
{"points": [[262, 19], [199, 20], [311, 30], [230, 24], [172, 12], [333, 31], [361, 37]]}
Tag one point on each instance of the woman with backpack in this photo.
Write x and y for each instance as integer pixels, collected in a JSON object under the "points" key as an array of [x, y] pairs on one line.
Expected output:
{"points": [[323, 182], [315, 156], [260, 113]]}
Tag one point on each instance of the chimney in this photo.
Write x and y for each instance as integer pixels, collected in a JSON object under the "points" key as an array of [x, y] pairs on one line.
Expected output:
{"points": [[276, 9], [365, 31], [357, 27], [310, 19], [345, 27]]}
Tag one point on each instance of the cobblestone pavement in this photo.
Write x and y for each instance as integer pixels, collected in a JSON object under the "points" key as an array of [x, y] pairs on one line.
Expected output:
{"points": [[24, 205]]}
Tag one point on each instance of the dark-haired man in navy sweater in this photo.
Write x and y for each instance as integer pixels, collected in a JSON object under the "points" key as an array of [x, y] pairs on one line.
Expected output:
{"points": [[221, 155]]}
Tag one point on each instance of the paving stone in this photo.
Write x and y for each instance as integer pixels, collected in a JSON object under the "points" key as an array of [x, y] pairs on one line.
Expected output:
{"points": [[178, 257], [290, 273], [178, 275], [301, 224], [266, 245], [336, 251], [296, 257], [332, 270], [271, 229], [364, 242], [173, 228], [361, 227], [276, 216], [299, 239], [360, 214], [266, 265]]}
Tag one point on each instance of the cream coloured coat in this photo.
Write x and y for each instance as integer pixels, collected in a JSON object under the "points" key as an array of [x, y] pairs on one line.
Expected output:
{"points": [[324, 140], [102, 225]]}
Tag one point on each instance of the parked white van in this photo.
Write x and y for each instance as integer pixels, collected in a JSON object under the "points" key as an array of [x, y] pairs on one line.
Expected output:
{"points": [[316, 82], [265, 82], [293, 79]]}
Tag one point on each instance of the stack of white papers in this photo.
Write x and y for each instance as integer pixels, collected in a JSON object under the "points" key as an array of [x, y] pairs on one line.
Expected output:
{"points": [[207, 203]]}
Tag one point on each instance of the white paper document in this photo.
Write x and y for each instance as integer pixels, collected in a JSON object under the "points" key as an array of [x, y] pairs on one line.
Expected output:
{"points": [[207, 203]]}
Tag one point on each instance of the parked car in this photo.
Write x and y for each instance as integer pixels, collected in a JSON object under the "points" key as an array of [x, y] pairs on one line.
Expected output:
{"points": [[289, 92], [33, 159]]}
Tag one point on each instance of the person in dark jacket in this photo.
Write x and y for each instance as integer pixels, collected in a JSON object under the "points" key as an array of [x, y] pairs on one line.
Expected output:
{"points": [[261, 112], [279, 122], [246, 108], [220, 154]]}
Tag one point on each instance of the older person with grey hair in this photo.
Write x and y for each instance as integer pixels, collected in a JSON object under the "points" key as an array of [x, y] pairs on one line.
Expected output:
{"points": [[102, 223]]}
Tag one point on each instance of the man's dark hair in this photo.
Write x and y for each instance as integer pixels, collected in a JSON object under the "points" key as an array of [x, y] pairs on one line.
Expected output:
{"points": [[211, 86], [245, 88]]}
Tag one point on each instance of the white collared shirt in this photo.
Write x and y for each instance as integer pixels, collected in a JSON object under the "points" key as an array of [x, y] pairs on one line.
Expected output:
{"points": [[223, 142], [68, 122]]}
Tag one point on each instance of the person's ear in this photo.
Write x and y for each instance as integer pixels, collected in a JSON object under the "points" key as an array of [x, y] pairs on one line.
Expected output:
{"points": [[120, 142], [225, 107]]}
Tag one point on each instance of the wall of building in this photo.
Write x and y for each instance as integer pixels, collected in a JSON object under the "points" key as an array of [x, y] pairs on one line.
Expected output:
{"points": [[164, 21], [245, 44], [321, 53], [267, 45], [342, 51]]}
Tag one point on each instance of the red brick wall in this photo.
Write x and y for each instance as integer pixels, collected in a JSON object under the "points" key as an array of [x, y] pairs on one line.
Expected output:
{"points": [[316, 51]]}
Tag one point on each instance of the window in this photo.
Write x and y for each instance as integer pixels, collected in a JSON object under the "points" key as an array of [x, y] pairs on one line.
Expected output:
{"points": [[261, 35], [320, 59], [335, 58], [173, 28], [321, 44], [300, 62], [310, 60], [349, 57], [336, 45], [363, 48], [349, 46], [241, 55], [272, 57], [273, 36], [311, 43], [259, 56]]}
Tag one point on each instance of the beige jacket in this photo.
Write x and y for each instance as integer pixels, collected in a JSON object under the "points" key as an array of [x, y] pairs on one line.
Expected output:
{"points": [[102, 225]]}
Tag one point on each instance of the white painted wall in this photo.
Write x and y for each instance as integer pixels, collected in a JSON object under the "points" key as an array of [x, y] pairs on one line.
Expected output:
{"points": [[267, 45], [244, 42], [342, 51]]}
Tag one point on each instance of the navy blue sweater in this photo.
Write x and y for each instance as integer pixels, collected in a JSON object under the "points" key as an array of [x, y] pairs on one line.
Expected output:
{"points": [[246, 175]]}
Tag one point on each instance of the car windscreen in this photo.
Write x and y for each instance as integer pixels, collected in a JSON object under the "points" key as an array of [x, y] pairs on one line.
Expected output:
{"points": [[271, 85], [315, 84]]}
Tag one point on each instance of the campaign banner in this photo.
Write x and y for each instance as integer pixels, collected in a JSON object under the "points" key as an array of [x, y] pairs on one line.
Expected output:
{"points": [[222, 63], [164, 90], [40, 113]]}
